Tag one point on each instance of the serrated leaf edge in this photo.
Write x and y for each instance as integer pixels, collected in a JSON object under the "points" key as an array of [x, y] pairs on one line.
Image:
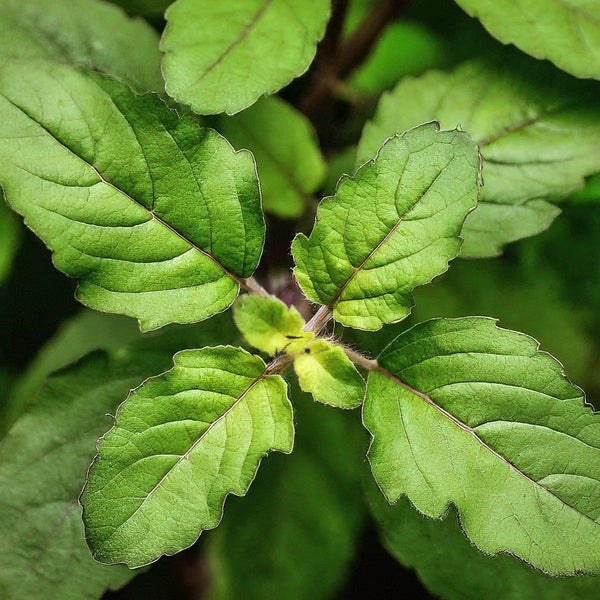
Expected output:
{"points": [[453, 505], [302, 236], [264, 374]]}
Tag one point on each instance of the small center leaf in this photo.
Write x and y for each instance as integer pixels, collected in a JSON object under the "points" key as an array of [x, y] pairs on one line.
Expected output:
{"points": [[325, 371]]}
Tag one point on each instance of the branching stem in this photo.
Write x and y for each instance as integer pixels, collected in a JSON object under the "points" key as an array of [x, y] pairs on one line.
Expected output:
{"points": [[360, 360], [351, 54]]}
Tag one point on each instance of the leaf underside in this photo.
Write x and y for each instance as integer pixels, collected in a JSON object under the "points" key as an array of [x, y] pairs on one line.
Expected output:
{"points": [[391, 227], [182, 442], [46, 452], [43, 460], [158, 218], [565, 32], [210, 48], [538, 132], [88, 32], [476, 416]]}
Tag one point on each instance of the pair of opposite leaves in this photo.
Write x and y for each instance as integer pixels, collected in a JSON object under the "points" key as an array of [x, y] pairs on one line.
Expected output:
{"points": [[162, 220]]}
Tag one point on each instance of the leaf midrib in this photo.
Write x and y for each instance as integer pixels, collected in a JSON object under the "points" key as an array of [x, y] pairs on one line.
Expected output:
{"points": [[523, 124], [381, 370], [239, 280], [236, 42], [387, 236]]}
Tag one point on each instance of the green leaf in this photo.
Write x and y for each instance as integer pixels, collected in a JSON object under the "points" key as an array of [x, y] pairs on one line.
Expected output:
{"points": [[181, 443], [267, 323], [82, 31], [325, 371], [45, 455], [538, 132], [160, 219], [404, 48], [391, 227], [493, 225], [75, 338], [465, 413], [290, 165], [43, 461], [10, 236], [452, 569], [565, 32], [305, 510], [223, 56]]}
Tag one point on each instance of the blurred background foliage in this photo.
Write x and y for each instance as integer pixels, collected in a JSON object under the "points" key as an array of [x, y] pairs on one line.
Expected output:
{"points": [[304, 530]]}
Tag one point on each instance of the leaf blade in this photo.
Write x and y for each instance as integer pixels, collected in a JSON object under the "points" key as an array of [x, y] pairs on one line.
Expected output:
{"points": [[205, 391], [290, 164], [537, 131], [97, 34], [567, 33], [326, 372], [206, 67], [486, 471], [382, 235], [267, 323], [160, 219]]}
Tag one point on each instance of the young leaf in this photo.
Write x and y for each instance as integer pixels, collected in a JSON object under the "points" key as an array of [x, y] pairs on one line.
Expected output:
{"points": [[290, 164], [181, 443], [567, 33], [267, 323], [465, 413], [453, 569], [82, 31], [306, 509], [212, 48], [325, 371], [538, 131], [161, 220], [10, 235], [391, 227]]}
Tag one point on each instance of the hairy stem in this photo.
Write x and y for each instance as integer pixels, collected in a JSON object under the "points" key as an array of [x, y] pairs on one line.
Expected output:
{"points": [[319, 320], [279, 365], [360, 360]]}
